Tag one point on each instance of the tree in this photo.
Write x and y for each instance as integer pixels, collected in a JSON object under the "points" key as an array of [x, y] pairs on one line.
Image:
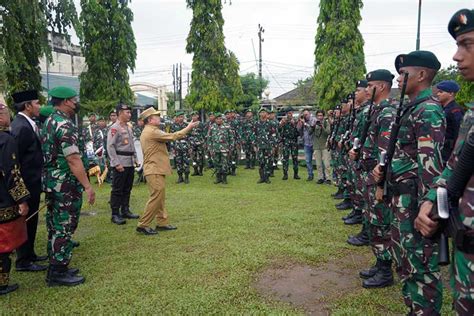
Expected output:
{"points": [[339, 53], [251, 87], [466, 93], [215, 81], [109, 48], [24, 38]]}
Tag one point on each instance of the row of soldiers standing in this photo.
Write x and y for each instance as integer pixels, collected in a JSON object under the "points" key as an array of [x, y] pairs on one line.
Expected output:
{"points": [[221, 140], [388, 159]]}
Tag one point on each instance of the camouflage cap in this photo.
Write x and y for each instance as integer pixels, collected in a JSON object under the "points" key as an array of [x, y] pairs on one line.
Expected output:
{"points": [[461, 22]]}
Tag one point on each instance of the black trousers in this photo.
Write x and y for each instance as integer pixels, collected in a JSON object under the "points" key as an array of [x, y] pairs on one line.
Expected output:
{"points": [[122, 183], [26, 252]]}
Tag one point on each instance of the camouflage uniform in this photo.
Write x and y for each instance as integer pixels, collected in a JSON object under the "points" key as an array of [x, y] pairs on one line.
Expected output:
{"points": [[415, 165], [137, 131], [236, 127], [462, 266], [378, 215], [60, 139], [248, 139], [196, 140], [263, 135], [207, 144], [181, 150], [288, 133], [221, 140], [275, 139]]}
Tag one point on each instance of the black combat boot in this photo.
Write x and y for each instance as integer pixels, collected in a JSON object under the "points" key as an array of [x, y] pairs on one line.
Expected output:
{"points": [[196, 171], [200, 171], [356, 219], [382, 278], [180, 178], [272, 173], [295, 174], [218, 178], [224, 178], [339, 191], [247, 164], [285, 175], [370, 272], [127, 214], [262, 177], [344, 205], [59, 275], [252, 164], [232, 173], [5, 289], [361, 239], [117, 218], [267, 178], [351, 214], [5, 267], [186, 178]]}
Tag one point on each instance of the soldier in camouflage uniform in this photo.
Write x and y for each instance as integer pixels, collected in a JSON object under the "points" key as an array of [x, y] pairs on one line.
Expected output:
{"points": [[289, 144], [248, 139], [181, 149], [196, 140], [236, 126], [13, 201], [263, 134], [461, 27], [138, 129], [275, 140], [378, 214], [64, 179], [212, 120], [100, 136], [221, 139], [342, 169], [416, 163]]}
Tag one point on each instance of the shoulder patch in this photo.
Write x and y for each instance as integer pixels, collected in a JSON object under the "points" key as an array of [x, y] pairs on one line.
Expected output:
{"points": [[113, 131]]}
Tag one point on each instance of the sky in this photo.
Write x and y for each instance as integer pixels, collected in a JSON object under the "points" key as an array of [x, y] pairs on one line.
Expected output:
{"points": [[388, 28]]}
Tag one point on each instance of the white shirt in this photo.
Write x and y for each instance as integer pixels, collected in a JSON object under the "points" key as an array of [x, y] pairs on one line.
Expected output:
{"points": [[32, 123]]}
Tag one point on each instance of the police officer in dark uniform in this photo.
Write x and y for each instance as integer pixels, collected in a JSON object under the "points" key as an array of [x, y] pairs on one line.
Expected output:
{"points": [[446, 94]]}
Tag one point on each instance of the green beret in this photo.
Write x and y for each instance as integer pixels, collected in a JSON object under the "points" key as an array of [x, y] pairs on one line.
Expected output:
{"points": [[262, 110], [361, 84], [179, 113], [461, 22], [46, 110], [194, 113], [226, 112], [211, 113], [62, 93], [100, 118], [249, 110], [418, 58], [217, 114], [380, 75], [92, 113]]}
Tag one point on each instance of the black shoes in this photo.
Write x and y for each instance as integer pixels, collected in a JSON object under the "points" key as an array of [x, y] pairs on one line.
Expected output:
{"points": [[129, 215], [196, 172], [186, 178], [383, 277], [224, 179], [75, 244], [355, 219], [295, 175], [370, 272], [32, 267], [167, 227], [62, 276], [344, 205], [361, 239], [146, 231], [37, 258], [218, 178], [180, 179], [285, 175], [117, 219], [339, 192], [5, 289], [328, 182], [310, 178], [320, 181]]}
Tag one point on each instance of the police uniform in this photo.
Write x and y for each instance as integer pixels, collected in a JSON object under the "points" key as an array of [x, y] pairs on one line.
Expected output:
{"points": [[121, 152]]}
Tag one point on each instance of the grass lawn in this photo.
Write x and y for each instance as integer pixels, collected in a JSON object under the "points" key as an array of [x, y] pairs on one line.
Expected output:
{"points": [[226, 235]]}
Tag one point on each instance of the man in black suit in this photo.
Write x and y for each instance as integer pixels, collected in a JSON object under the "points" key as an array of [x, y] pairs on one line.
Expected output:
{"points": [[30, 159]]}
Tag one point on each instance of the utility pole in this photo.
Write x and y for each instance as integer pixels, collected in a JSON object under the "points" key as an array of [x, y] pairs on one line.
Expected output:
{"points": [[180, 86], [419, 22], [260, 41]]}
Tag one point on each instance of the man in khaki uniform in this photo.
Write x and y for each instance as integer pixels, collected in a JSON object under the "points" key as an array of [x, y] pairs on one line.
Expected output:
{"points": [[156, 166]]}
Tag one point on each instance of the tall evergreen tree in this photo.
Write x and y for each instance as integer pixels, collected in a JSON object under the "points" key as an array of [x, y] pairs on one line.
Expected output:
{"points": [[339, 54], [215, 81], [24, 38], [109, 48]]}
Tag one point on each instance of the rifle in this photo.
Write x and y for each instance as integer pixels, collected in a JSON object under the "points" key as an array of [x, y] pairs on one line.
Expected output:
{"points": [[446, 208], [386, 157], [350, 122], [358, 143]]}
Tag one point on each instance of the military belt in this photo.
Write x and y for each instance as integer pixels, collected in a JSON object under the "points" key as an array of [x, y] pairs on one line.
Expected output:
{"points": [[125, 153]]}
